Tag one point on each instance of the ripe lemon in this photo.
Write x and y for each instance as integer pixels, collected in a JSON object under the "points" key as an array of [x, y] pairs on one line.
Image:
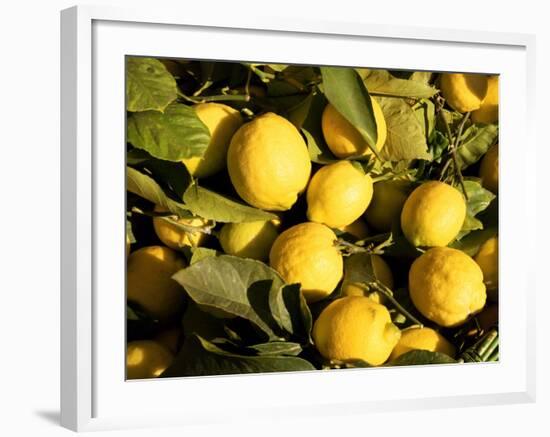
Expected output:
{"points": [[338, 194], [146, 359], [306, 253], [344, 140], [355, 272], [268, 163], [176, 237], [488, 171], [487, 259], [355, 328], [488, 111], [463, 92], [357, 229], [433, 214], [150, 283], [386, 205], [446, 286], [422, 339], [248, 240], [222, 121]]}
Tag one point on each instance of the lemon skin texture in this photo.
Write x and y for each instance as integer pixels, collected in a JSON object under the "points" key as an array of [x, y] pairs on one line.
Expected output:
{"points": [[446, 286], [426, 339], [433, 214], [146, 359], [488, 170], [305, 254], [150, 283], [382, 272], [463, 92], [268, 163], [386, 205], [487, 259], [344, 140], [488, 111], [352, 328], [249, 239], [338, 194], [176, 238], [222, 121]]}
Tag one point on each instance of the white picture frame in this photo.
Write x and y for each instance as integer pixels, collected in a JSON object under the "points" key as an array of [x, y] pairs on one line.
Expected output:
{"points": [[94, 394]]}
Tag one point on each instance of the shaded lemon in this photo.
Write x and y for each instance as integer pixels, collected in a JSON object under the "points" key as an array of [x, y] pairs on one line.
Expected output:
{"points": [[463, 92], [146, 359], [386, 205], [488, 170], [249, 239], [177, 237], [425, 339], [488, 111]]}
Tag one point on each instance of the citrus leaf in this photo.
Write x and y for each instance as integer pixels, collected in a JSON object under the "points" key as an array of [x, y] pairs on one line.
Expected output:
{"points": [[199, 253], [471, 243], [405, 139], [419, 357], [214, 206], [424, 110], [176, 134], [478, 200], [199, 357], [277, 348], [345, 90], [129, 233], [475, 141], [381, 82], [311, 129], [149, 85]]}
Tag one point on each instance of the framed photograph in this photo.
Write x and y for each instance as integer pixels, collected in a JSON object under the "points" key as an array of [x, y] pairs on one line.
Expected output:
{"points": [[291, 218]]}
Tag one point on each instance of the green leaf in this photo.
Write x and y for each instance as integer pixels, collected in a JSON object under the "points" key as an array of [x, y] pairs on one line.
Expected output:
{"points": [[381, 82], [129, 232], [149, 85], [358, 268], [199, 253], [471, 243], [277, 348], [475, 142], [345, 90], [405, 139], [311, 129], [131, 314], [424, 110], [176, 134], [174, 175], [478, 200], [199, 357], [416, 357], [214, 206], [146, 187]]}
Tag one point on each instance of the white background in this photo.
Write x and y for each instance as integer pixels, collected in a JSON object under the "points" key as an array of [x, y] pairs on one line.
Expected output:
{"points": [[29, 234]]}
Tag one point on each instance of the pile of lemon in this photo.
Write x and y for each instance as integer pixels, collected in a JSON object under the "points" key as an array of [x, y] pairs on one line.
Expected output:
{"points": [[270, 168]]}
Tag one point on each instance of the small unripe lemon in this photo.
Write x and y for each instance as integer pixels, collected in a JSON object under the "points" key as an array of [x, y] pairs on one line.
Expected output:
{"points": [[433, 214], [386, 205], [488, 171], [446, 286], [222, 121], [338, 194], [176, 237], [382, 272], [268, 163], [463, 92], [422, 339], [146, 359], [249, 239], [344, 140], [487, 259], [150, 283], [306, 254], [488, 111], [355, 328]]}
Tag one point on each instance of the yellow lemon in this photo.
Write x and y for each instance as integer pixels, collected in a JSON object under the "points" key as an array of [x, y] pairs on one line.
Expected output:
{"points": [[425, 339], [357, 229], [386, 205], [306, 254], [222, 121], [488, 171], [344, 140], [487, 259], [433, 214], [150, 283], [488, 111], [176, 237], [338, 194], [353, 328], [248, 240], [146, 359], [463, 92], [446, 286], [355, 272]]}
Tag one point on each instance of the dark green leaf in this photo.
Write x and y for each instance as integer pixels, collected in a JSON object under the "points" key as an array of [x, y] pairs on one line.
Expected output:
{"points": [[277, 348], [416, 357], [176, 134], [424, 110], [475, 142], [478, 200], [311, 129], [381, 82], [172, 174], [471, 243]]}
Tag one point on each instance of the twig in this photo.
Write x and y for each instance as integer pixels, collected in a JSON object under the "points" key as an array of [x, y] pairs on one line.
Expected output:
{"points": [[389, 295]]}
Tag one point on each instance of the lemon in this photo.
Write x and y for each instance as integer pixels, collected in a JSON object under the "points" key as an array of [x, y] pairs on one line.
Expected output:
{"points": [[146, 359], [357, 229], [433, 214], [463, 92], [488, 111], [248, 240], [175, 237], [354, 276], [268, 163], [344, 140], [306, 254], [169, 338], [488, 171], [150, 283], [353, 328], [386, 205], [222, 121], [446, 286], [425, 339], [338, 194], [487, 259]]}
